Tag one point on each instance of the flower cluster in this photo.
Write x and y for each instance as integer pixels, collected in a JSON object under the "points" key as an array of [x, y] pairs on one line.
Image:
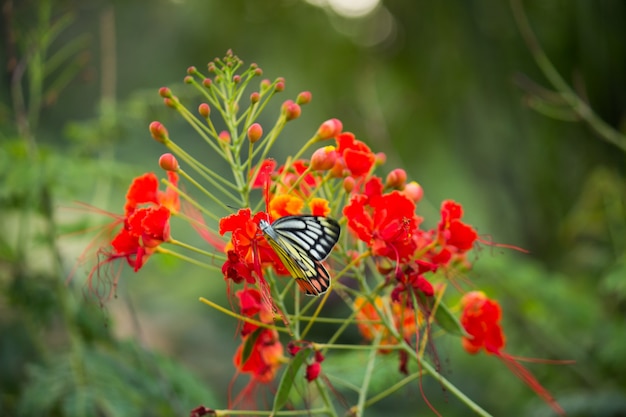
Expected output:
{"points": [[389, 270]]}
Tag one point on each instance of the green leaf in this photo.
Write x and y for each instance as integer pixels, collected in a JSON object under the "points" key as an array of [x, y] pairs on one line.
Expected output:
{"points": [[248, 346], [286, 382], [443, 316]]}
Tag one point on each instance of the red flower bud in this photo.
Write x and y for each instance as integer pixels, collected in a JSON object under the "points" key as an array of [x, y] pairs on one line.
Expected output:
{"points": [[224, 136], [205, 110], [255, 97], [207, 82], [158, 132], [192, 70], [329, 129], [319, 357], [258, 72], [211, 66], [313, 371], [255, 131], [396, 179], [291, 109], [237, 79], [170, 102], [165, 92], [304, 98], [168, 162], [280, 85], [188, 79], [324, 158]]}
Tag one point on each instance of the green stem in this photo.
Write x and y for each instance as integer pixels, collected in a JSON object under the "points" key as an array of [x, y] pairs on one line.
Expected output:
{"points": [[581, 108]]}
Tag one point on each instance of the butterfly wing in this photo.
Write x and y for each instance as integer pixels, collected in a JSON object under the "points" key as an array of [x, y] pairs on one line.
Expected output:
{"points": [[317, 235], [302, 242]]}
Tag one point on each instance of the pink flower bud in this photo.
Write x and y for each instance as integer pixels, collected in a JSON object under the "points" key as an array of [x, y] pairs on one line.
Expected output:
{"points": [[192, 70], [324, 159], [255, 131], [211, 66], [237, 79], [158, 132], [205, 110], [304, 98], [165, 92], [280, 85], [258, 72], [265, 84], [413, 191], [291, 109], [207, 82], [168, 162], [381, 158], [255, 97], [396, 179], [188, 79], [329, 129], [224, 136]]}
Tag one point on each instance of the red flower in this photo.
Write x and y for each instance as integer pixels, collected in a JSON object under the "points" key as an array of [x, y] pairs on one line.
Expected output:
{"points": [[481, 320], [144, 190], [384, 222], [452, 230], [236, 270], [356, 156], [411, 278], [265, 358], [266, 355], [248, 242]]}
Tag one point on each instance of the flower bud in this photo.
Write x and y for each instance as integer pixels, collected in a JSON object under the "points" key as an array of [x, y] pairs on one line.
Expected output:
{"points": [[255, 97], [265, 84], [188, 79], [381, 158], [413, 191], [170, 102], [211, 66], [396, 179], [205, 110], [168, 162], [192, 70], [329, 129], [304, 98], [159, 132], [291, 109], [237, 79], [313, 371], [224, 136], [280, 85], [324, 158], [255, 131], [258, 71], [348, 184], [165, 92], [207, 82]]}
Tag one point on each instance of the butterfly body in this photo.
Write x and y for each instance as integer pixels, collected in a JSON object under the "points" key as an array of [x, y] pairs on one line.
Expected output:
{"points": [[303, 243]]}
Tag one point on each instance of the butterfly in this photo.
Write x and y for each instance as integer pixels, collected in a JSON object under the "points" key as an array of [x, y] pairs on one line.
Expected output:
{"points": [[302, 243]]}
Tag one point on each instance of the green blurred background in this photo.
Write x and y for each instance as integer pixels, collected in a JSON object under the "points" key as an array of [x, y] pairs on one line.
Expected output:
{"points": [[448, 90]]}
